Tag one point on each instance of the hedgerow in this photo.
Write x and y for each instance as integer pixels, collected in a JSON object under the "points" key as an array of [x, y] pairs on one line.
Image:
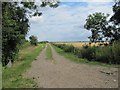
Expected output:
{"points": [[106, 54]]}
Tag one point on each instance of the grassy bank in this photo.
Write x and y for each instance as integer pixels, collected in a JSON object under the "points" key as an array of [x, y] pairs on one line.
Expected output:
{"points": [[74, 58], [49, 53], [13, 77]]}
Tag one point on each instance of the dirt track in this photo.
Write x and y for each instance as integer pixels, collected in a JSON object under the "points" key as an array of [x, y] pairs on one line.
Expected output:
{"points": [[63, 73]]}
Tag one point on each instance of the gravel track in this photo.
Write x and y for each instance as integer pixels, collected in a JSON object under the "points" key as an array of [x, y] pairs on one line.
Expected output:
{"points": [[63, 73]]}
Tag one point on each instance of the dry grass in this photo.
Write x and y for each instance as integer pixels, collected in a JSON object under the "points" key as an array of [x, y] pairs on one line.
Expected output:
{"points": [[80, 44]]}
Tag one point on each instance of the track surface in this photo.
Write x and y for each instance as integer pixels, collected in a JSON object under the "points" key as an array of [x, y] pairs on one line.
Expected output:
{"points": [[63, 73]]}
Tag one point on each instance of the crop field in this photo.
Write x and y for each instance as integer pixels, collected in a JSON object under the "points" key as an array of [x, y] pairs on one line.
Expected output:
{"points": [[81, 44]]}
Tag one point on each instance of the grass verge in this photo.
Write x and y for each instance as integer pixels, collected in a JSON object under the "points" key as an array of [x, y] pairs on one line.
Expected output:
{"points": [[74, 58], [13, 77], [49, 53]]}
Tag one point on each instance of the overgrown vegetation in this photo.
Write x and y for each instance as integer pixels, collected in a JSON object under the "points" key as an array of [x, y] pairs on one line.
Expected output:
{"points": [[25, 44], [49, 53], [76, 59], [105, 54], [12, 77]]}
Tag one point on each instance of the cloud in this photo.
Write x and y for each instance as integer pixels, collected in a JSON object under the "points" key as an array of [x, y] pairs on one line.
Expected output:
{"points": [[86, 0], [66, 23]]}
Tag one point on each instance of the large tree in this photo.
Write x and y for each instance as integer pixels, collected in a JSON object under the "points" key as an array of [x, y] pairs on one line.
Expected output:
{"points": [[15, 25], [96, 23], [116, 9], [101, 28], [115, 19]]}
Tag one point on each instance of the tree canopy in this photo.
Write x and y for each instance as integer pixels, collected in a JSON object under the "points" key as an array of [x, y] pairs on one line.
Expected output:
{"points": [[103, 29], [96, 23], [116, 9]]}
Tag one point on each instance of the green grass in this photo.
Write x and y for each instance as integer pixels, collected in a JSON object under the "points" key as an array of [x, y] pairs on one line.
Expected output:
{"points": [[13, 77], [49, 53], [74, 58], [25, 45]]}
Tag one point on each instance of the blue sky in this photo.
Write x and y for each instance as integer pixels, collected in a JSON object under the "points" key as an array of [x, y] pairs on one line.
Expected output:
{"points": [[66, 22]]}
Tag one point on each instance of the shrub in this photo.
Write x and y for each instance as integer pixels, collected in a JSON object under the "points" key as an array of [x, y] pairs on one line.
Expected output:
{"points": [[116, 52], [77, 52], [109, 54], [106, 54], [88, 52], [69, 48]]}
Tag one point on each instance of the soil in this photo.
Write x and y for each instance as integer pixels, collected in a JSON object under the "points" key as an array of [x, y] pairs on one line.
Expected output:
{"points": [[63, 73]]}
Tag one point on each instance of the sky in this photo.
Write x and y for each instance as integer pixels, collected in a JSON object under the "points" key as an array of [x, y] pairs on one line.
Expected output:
{"points": [[66, 22]]}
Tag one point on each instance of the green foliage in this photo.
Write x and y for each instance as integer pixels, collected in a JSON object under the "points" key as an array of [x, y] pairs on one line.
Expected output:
{"points": [[109, 54], [15, 25], [49, 3], [88, 53], [73, 57], [43, 42], [96, 23], [69, 48], [49, 52], [116, 9], [105, 54], [33, 40], [101, 28], [25, 45], [14, 28], [114, 31]]}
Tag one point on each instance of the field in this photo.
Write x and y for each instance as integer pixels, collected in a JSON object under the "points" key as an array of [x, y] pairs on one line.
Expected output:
{"points": [[81, 44]]}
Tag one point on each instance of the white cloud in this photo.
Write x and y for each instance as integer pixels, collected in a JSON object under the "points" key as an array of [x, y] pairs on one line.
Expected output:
{"points": [[65, 23], [86, 0]]}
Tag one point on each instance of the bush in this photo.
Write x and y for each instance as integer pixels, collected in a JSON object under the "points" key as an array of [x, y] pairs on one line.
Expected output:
{"points": [[88, 53], [106, 54], [77, 52], [116, 52], [69, 48], [109, 54]]}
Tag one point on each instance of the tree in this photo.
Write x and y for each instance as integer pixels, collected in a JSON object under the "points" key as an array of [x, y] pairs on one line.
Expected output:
{"points": [[115, 19], [14, 28], [15, 25], [116, 9], [96, 23], [33, 40]]}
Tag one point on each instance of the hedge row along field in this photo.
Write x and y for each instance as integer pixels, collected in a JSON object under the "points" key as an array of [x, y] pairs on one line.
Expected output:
{"points": [[106, 54]]}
